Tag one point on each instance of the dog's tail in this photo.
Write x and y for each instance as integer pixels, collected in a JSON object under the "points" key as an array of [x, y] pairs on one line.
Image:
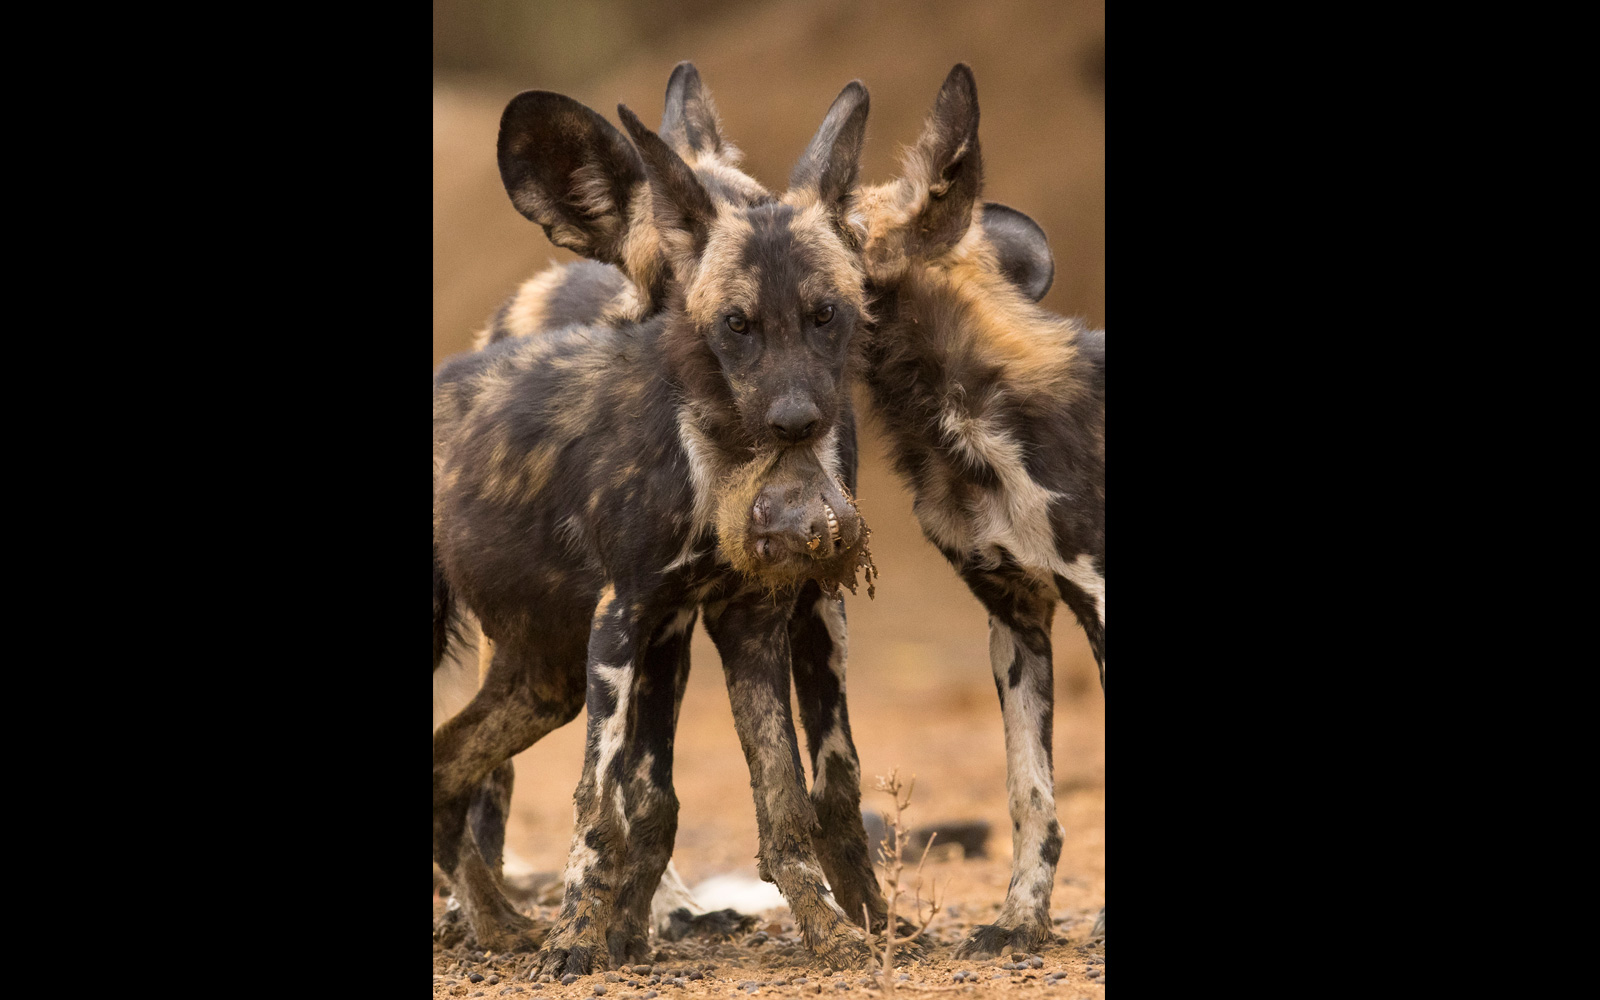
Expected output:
{"points": [[447, 629], [455, 650]]}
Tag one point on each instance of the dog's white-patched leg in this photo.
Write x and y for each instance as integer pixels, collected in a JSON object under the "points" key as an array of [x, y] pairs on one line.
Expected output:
{"points": [[1020, 658], [1083, 588], [600, 837], [819, 644]]}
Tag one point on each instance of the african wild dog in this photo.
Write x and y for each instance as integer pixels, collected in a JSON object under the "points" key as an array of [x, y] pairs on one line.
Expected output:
{"points": [[995, 413], [577, 476], [587, 292]]}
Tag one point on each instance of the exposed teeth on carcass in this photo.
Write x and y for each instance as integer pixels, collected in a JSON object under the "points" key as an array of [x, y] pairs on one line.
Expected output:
{"points": [[833, 524]]}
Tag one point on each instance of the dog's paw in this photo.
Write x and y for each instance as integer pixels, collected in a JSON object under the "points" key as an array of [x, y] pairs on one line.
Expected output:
{"points": [[989, 940], [575, 947], [848, 947]]}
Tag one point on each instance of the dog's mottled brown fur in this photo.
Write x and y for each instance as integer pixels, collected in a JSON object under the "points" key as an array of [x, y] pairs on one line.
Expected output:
{"points": [[539, 524], [995, 411]]}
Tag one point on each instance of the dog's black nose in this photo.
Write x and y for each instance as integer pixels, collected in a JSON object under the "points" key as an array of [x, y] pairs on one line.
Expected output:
{"points": [[794, 419]]}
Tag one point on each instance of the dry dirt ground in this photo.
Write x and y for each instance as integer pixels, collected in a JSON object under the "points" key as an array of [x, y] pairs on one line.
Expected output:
{"points": [[947, 733], [921, 695], [922, 700]]}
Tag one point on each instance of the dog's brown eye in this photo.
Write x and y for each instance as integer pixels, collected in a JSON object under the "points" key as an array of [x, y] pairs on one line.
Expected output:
{"points": [[824, 314], [736, 324]]}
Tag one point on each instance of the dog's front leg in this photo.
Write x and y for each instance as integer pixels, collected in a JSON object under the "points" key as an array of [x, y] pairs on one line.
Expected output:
{"points": [[646, 780], [1020, 616], [752, 635], [598, 860], [819, 644]]}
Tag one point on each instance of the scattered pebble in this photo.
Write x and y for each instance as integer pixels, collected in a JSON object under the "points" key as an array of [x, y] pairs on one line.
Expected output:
{"points": [[599, 990], [494, 980], [697, 975], [649, 994], [476, 977], [904, 976], [802, 981], [1036, 962]]}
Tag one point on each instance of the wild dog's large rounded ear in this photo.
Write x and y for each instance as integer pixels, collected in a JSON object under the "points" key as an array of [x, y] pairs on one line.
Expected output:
{"points": [[683, 210], [1024, 254], [689, 123], [571, 171], [830, 164], [948, 160]]}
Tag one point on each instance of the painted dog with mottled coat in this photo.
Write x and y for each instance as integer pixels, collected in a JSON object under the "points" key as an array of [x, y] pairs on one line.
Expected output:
{"points": [[631, 290], [575, 484], [995, 413]]}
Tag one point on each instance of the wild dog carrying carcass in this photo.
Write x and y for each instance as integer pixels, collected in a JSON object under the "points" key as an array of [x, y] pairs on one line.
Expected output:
{"points": [[995, 413], [576, 487], [629, 289]]}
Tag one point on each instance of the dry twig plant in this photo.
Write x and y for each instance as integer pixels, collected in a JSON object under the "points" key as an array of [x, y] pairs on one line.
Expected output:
{"points": [[893, 853]]}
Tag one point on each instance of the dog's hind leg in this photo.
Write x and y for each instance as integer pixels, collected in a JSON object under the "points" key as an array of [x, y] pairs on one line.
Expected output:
{"points": [[1020, 615], [471, 777], [1086, 596], [491, 804]]}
